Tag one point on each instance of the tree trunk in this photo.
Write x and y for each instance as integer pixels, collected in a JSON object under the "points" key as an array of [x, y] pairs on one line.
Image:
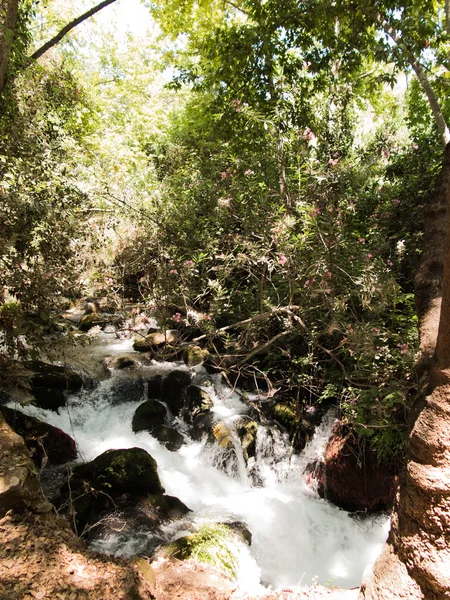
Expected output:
{"points": [[8, 18], [415, 562]]}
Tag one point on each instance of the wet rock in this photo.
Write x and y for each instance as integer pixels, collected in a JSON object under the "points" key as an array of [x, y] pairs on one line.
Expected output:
{"points": [[168, 508], [92, 320], [202, 425], [154, 386], [49, 398], [194, 355], [172, 389], [169, 437], [198, 401], [119, 471], [45, 442], [222, 435], [213, 543], [121, 362], [148, 416], [50, 376], [351, 478], [126, 389], [247, 430], [99, 305], [156, 340], [111, 483]]}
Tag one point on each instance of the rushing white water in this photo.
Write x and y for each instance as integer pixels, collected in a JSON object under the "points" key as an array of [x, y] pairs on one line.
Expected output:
{"points": [[297, 537]]}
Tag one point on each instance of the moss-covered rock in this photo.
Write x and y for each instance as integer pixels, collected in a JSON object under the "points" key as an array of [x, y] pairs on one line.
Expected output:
{"points": [[119, 471], [198, 401], [148, 416], [195, 355], [222, 435], [247, 430], [284, 413], [172, 389], [213, 544], [45, 442]]}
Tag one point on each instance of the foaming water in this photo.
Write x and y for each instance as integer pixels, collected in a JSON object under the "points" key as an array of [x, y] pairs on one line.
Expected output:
{"points": [[297, 537]]}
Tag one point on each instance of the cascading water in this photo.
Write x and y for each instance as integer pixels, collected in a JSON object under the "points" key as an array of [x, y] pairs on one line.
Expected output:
{"points": [[297, 537]]}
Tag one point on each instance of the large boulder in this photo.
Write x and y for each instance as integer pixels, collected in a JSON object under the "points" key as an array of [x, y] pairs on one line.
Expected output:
{"points": [[46, 375], [45, 442], [172, 389], [121, 362], [350, 476], [148, 416], [154, 386], [117, 472], [49, 398]]}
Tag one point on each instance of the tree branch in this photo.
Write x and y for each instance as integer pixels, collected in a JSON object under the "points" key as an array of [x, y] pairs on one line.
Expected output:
{"points": [[65, 30]]}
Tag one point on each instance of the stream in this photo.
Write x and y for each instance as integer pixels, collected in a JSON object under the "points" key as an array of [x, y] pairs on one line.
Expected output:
{"points": [[298, 538]]}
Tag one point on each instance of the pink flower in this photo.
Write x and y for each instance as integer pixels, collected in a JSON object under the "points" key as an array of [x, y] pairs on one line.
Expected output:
{"points": [[362, 240], [173, 272], [390, 263], [308, 135], [315, 211], [282, 260], [333, 162], [330, 208], [224, 174], [396, 201], [249, 172], [385, 152], [176, 317], [370, 255]]}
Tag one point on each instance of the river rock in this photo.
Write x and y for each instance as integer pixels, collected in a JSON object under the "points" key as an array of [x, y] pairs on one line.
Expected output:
{"points": [[92, 320], [156, 340], [44, 441], [126, 389], [351, 478], [168, 508], [49, 398], [172, 389], [169, 437], [148, 416], [119, 471], [46, 375], [121, 362], [247, 429], [154, 386], [198, 401], [194, 355]]}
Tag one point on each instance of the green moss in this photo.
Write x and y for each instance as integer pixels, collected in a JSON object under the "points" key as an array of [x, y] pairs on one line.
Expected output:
{"points": [[212, 544], [285, 414]]}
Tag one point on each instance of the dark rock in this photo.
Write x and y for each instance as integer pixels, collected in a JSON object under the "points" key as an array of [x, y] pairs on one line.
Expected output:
{"points": [[120, 471], [46, 375], [149, 415], [168, 508], [44, 441], [247, 429], [198, 401], [241, 531], [351, 478], [126, 389], [154, 387], [169, 437], [172, 389], [49, 398], [202, 425]]}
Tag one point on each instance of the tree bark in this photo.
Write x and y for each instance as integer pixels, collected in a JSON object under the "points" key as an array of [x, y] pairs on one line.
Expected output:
{"points": [[415, 562], [65, 30], [8, 19]]}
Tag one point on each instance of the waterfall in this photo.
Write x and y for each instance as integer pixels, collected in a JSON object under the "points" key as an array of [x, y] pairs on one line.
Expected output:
{"points": [[298, 538]]}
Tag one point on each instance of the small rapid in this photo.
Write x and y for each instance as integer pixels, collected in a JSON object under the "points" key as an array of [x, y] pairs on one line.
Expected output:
{"points": [[298, 538]]}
